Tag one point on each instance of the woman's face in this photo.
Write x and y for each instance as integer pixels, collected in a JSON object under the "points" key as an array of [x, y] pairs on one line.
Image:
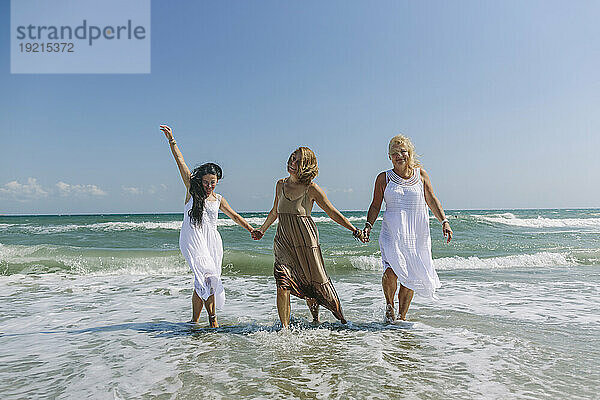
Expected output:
{"points": [[399, 156], [293, 164], [209, 181]]}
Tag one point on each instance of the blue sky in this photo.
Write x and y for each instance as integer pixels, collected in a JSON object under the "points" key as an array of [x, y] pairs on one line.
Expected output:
{"points": [[501, 100]]}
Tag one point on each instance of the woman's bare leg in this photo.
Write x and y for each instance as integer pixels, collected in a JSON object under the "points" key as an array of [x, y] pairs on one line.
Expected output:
{"points": [[283, 306], [313, 306], [389, 282], [210, 309], [197, 304], [405, 296]]}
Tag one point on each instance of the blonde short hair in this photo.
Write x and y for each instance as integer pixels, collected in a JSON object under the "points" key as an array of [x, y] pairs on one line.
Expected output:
{"points": [[405, 142], [308, 168]]}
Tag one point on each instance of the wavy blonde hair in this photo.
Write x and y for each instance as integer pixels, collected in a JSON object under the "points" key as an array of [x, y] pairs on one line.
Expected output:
{"points": [[405, 142], [308, 168]]}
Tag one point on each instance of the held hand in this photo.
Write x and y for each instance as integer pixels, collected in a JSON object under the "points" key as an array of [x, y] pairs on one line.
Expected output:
{"points": [[447, 231], [365, 238], [167, 131], [366, 234], [358, 235], [256, 234]]}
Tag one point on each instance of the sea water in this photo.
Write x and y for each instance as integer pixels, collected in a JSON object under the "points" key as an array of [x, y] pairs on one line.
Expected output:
{"points": [[96, 306]]}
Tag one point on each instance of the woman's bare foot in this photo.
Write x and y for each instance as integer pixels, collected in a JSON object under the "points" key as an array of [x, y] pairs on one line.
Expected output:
{"points": [[212, 320], [313, 306], [390, 317]]}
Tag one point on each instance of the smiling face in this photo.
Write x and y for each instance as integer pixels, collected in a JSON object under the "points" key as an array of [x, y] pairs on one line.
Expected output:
{"points": [[293, 164], [399, 155], [402, 153], [209, 181]]}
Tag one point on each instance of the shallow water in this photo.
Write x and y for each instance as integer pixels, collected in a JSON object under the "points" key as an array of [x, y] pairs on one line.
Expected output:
{"points": [[94, 311]]}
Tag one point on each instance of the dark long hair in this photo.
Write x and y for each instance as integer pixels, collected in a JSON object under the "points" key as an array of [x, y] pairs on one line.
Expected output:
{"points": [[197, 189]]}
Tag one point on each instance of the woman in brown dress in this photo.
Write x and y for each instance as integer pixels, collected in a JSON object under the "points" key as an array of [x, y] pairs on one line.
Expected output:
{"points": [[299, 267]]}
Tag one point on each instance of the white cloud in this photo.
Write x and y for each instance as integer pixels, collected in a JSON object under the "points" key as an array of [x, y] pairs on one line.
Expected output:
{"points": [[153, 189], [131, 190], [23, 191], [65, 189], [339, 190]]}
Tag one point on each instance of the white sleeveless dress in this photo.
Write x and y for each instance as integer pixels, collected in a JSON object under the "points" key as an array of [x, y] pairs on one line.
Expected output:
{"points": [[202, 248], [404, 240]]}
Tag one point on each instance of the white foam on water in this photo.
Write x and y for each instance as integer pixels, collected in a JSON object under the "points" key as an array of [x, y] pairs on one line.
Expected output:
{"points": [[116, 226], [366, 263], [539, 222], [69, 260], [126, 226], [542, 259], [125, 336], [257, 221]]}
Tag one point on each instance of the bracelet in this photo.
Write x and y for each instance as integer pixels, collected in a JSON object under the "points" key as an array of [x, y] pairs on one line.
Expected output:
{"points": [[445, 220], [369, 225]]}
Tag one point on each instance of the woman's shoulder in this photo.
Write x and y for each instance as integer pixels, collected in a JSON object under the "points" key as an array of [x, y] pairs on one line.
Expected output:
{"points": [[312, 187], [381, 178]]}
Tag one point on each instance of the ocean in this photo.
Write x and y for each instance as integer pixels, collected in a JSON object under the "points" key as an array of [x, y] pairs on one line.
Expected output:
{"points": [[95, 306]]}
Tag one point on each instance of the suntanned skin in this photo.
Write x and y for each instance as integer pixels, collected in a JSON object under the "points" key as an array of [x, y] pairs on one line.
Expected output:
{"points": [[209, 182], [295, 189], [389, 281]]}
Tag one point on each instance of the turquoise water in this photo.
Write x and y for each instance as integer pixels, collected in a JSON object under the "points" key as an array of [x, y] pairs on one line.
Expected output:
{"points": [[95, 306]]}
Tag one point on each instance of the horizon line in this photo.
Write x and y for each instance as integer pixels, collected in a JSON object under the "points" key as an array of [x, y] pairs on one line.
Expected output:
{"points": [[365, 211]]}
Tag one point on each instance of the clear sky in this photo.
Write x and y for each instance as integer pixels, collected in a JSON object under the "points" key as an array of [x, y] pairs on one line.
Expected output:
{"points": [[501, 99]]}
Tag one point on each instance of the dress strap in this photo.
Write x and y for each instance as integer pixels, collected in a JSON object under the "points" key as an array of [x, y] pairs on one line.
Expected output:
{"points": [[283, 189], [417, 172], [296, 199], [387, 176]]}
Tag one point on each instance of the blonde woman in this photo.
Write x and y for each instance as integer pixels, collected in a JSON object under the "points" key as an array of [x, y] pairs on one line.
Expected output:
{"points": [[299, 267], [404, 240]]}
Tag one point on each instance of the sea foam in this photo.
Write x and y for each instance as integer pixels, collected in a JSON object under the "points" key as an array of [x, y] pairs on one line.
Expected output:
{"points": [[540, 222], [114, 226], [542, 259]]}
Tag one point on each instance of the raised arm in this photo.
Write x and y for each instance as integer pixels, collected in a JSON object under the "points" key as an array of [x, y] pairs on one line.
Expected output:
{"points": [[273, 213], [375, 205], [237, 218], [183, 168], [435, 205], [322, 201]]}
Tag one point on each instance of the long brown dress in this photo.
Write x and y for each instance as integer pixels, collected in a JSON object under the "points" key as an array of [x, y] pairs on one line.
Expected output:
{"points": [[299, 265]]}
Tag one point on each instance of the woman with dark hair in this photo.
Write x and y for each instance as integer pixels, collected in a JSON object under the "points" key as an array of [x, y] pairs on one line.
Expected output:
{"points": [[299, 268], [199, 240]]}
